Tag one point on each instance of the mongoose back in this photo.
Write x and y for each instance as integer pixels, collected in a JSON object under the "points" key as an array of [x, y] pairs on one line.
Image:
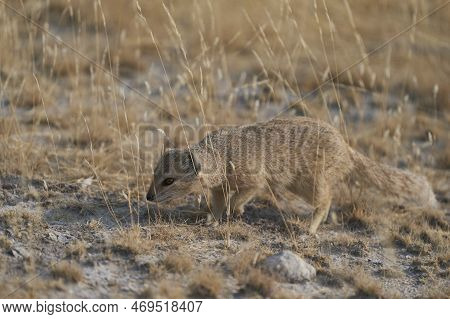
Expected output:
{"points": [[301, 155]]}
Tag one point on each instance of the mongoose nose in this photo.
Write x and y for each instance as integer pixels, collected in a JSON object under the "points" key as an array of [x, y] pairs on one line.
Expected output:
{"points": [[150, 197]]}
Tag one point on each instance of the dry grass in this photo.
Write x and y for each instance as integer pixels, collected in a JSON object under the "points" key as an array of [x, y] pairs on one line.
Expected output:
{"points": [[367, 287], [346, 243], [146, 293], [252, 280], [421, 232], [5, 243], [364, 285], [259, 282], [35, 289], [390, 273], [178, 262], [244, 261], [169, 235], [69, 271], [234, 230], [166, 289], [208, 282], [171, 290], [131, 241], [22, 223], [439, 292], [95, 225], [359, 219], [76, 250]]}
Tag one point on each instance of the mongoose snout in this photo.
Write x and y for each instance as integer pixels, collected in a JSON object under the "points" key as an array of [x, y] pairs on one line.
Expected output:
{"points": [[150, 197], [301, 156], [151, 194]]}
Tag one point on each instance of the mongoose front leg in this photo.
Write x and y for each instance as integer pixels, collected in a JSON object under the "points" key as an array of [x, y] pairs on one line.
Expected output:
{"points": [[321, 201], [240, 198], [218, 206], [320, 213]]}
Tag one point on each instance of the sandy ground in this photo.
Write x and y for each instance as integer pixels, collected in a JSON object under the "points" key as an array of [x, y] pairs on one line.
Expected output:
{"points": [[61, 224]]}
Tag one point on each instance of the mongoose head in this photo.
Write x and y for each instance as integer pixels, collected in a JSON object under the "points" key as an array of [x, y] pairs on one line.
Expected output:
{"points": [[175, 175]]}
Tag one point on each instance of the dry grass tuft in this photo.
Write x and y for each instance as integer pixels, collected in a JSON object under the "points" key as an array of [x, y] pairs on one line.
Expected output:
{"points": [[146, 293], [438, 292], [360, 220], [131, 241], [23, 224], [15, 288], [156, 271], [69, 271], [76, 250], [207, 283], [95, 225], [346, 243], [329, 278], [33, 194], [178, 262], [169, 289], [367, 287], [257, 281], [421, 232], [364, 284], [5, 243], [245, 260], [234, 230], [435, 219], [252, 279], [390, 272]]}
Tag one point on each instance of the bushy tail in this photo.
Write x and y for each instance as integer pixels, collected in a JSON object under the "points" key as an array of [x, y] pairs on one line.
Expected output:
{"points": [[393, 181]]}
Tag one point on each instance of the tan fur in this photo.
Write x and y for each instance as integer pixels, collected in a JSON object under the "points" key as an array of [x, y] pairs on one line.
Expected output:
{"points": [[301, 155]]}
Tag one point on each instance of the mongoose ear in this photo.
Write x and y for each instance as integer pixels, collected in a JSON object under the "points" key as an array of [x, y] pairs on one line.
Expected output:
{"points": [[168, 145]]}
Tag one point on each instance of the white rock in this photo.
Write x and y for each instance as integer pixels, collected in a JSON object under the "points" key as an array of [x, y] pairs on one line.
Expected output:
{"points": [[290, 266]]}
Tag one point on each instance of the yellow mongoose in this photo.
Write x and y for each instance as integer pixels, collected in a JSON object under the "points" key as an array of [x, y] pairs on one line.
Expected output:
{"points": [[301, 155]]}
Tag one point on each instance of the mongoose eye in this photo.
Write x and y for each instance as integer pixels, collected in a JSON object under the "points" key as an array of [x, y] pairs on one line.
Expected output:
{"points": [[168, 181]]}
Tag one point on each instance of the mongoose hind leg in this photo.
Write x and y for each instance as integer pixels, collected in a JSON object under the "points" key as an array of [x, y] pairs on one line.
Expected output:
{"points": [[330, 217], [334, 218], [316, 191], [240, 198]]}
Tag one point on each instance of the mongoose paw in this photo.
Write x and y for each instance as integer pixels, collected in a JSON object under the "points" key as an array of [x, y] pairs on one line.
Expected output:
{"points": [[212, 223], [239, 210], [312, 231], [333, 218]]}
